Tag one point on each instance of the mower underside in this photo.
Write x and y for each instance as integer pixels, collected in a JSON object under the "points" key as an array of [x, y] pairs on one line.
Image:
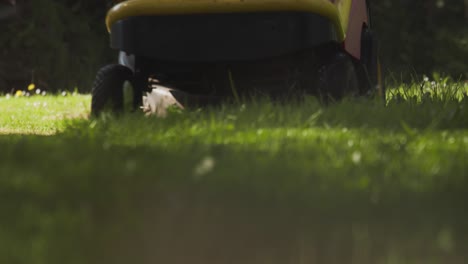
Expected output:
{"points": [[274, 76], [271, 53], [221, 37]]}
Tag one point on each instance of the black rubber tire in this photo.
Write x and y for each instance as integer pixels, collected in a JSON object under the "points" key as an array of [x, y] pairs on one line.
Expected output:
{"points": [[337, 78], [107, 92]]}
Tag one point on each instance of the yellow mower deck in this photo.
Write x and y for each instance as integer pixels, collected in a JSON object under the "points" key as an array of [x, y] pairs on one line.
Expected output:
{"points": [[337, 11]]}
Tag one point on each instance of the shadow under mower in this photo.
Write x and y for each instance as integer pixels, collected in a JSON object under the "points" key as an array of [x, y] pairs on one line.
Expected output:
{"points": [[202, 52]]}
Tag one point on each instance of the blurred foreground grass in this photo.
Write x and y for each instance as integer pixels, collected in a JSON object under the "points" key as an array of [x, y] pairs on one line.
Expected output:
{"points": [[261, 182]]}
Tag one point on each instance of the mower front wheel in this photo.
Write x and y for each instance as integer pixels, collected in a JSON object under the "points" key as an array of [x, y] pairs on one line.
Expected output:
{"points": [[337, 78], [113, 90]]}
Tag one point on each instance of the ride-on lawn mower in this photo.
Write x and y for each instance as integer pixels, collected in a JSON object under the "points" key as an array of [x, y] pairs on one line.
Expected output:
{"points": [[201, 52]]}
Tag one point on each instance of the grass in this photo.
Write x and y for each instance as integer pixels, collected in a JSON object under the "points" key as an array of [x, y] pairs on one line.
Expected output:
{"points": [[40, 115], [259, 182]]}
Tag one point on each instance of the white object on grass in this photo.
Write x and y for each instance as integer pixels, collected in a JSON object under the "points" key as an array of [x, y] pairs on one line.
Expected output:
{"points": [[158, 101]]}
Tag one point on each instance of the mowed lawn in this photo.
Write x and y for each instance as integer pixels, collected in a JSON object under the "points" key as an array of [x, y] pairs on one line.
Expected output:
{"points": [[257, 182]]}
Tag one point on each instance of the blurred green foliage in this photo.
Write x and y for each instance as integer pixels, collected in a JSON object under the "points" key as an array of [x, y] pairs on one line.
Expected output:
{"points": [[61, 44], [56, 44], [423, 36]]}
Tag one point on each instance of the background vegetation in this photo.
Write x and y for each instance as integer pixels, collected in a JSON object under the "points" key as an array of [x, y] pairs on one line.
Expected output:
{"points": [[56, 44], [61, 44], [422, 36]]}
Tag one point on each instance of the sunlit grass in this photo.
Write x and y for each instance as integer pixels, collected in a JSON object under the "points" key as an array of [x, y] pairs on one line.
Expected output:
{"points": [[40, 115], [437, 88]]}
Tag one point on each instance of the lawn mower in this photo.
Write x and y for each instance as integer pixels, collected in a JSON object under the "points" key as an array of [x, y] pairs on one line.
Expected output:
{"points": [[202, 52]]}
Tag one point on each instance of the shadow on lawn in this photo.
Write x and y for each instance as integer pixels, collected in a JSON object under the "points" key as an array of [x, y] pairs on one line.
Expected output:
{"points": [[397, 115]]}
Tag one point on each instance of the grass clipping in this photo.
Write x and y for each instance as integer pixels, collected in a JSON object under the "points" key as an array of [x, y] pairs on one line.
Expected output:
{"points": [[158, 101]]}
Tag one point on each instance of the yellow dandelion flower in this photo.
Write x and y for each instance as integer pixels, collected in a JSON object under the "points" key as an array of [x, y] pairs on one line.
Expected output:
{"points": [[19, 93], [31, 87]]}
